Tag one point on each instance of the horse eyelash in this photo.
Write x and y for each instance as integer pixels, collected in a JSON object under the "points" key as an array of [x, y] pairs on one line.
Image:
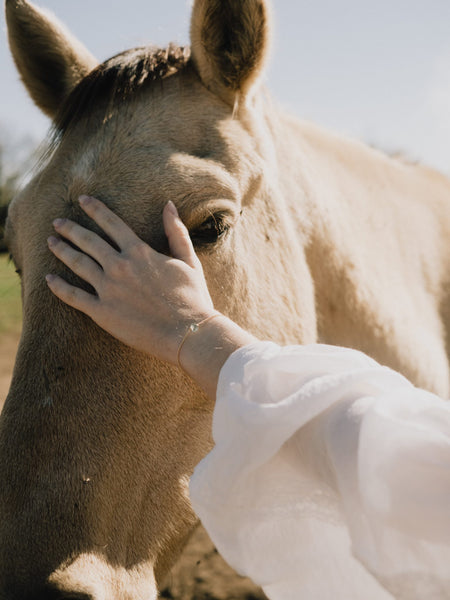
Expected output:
{"points": [[222, 227]]}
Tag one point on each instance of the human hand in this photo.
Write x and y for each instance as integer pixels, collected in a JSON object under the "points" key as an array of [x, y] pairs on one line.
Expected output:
{"points": [[144, 298]]}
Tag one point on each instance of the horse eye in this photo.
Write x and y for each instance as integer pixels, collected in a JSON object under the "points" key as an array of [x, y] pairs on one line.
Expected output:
{"points": [[210, 231]]}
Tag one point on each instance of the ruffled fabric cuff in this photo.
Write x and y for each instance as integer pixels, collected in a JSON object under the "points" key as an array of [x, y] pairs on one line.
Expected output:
{"points": [[321, 455]]}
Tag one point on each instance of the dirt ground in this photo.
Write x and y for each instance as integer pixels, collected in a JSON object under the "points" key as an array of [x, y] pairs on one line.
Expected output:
{"points": [[200, 574]]}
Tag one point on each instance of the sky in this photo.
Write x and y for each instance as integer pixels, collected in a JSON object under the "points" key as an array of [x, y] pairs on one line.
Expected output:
{"points": [[376, 70]]}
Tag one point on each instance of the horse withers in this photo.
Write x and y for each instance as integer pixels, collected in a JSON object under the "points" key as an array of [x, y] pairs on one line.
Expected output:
{"points": [[304, 237]]}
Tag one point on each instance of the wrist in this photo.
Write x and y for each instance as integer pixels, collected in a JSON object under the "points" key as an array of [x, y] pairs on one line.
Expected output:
{"points": [[207, 345], [192, 329]]}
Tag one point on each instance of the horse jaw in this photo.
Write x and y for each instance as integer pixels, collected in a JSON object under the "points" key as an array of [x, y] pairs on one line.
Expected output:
{"points": [[90, 574]]}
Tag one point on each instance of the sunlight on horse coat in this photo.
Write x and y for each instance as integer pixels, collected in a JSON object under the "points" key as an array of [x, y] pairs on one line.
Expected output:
{"points": [[304, 236]]}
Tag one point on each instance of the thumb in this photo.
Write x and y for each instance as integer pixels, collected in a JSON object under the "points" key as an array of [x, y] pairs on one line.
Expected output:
{"points": [[179, 241]]}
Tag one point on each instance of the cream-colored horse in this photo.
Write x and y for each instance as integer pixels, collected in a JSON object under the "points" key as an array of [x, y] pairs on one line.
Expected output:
{"points": [[304, 236]]}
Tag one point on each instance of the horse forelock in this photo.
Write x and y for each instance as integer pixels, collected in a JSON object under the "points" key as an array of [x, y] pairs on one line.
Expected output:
{"points": [[117, 80]]}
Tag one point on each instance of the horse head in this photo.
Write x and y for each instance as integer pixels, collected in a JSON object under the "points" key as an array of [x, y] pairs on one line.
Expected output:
{"points": [[97, 441]]}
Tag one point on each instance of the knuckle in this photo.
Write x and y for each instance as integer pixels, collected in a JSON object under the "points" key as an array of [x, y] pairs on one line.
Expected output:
{"points": [[110, 219], [65, 252], [85, 236], [78, 261], [120, 267], [71, 294], [139, 250]]}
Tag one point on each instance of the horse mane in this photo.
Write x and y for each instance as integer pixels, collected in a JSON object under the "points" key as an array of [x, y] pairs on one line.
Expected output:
{"points": [[117, 80]]}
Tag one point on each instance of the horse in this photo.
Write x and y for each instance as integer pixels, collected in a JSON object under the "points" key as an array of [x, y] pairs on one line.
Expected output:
{"points": [[304, 237]]}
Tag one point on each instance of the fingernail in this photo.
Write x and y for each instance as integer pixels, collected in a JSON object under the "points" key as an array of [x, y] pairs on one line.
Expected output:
{"points": [[50, 278], [172, 208], [84, 200], [59, 223], [52, 240]]}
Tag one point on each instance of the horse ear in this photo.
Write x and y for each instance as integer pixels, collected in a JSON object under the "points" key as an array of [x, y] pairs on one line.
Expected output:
{"points": [[49, 59], [230, 42]]}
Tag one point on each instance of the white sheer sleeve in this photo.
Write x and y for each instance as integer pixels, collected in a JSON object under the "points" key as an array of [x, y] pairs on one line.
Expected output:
{"points": [[330, 477]]}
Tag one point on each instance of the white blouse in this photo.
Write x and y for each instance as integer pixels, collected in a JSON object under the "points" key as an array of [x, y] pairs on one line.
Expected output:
{"points": [[330, 477]]}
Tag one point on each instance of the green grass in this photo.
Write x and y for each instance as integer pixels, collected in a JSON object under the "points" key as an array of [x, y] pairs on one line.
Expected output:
{"points": [[10, 303]]}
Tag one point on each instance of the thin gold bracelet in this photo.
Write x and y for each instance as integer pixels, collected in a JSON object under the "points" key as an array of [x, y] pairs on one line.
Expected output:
{"points": [[193, 328]]}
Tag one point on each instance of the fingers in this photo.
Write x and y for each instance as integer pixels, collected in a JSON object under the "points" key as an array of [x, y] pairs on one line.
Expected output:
{"points": [[88, 241], [78, 262], [111, 224], [179, 241], [72, 295]]}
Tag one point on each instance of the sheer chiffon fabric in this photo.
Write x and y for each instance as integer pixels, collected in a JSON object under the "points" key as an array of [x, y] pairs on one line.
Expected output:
{"points": [[330, 477]]}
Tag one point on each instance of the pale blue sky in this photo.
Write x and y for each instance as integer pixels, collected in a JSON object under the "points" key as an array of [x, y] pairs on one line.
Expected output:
{"points": [[378, 70]]}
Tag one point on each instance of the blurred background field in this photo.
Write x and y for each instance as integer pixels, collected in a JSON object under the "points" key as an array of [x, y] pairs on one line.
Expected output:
{"points": [[10, 322], [15, 157], [10, 304]]}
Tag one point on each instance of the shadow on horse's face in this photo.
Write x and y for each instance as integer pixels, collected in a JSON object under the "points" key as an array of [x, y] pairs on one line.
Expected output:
{"points": [[98, 441]]}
